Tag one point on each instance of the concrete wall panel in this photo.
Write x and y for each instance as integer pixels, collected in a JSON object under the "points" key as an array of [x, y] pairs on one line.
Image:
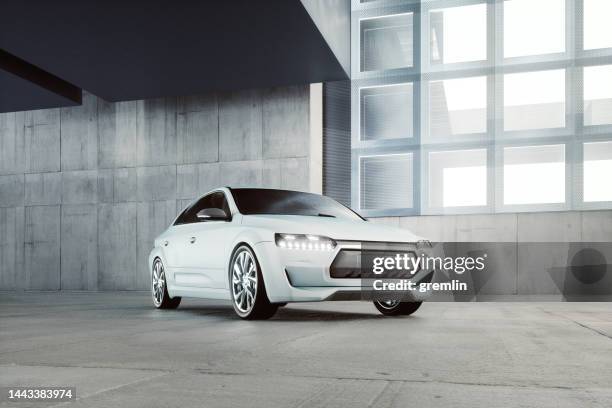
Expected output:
{"points": [[42, 247], [156, 183], [240, 126], [436, 228], [42, 140], [157, 141], [11, 248], [290, 174], [596, 226], [79, 247], [79, 135], [539, 244], [295, 174], [85, 190], [12, 190], [549, 227], [125, 182], [241, 174], [486, 228], [285, 126], [79, 187], [271, 173], [193, 180], [117, 262], [388, 221], [197, 129], [43, 189], [118, 127], [12, 147], [105, 185]]}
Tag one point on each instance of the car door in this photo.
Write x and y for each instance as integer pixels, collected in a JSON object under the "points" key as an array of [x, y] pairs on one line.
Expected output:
{"points": [[173, 240], [207, 242], [186, 271]]}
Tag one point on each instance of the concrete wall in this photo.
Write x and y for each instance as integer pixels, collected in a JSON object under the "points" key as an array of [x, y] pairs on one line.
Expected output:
{"points": [[538, 247], [84, 190]]}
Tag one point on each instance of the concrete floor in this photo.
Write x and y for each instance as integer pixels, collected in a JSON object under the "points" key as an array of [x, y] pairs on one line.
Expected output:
{"points": [[119, 351]]}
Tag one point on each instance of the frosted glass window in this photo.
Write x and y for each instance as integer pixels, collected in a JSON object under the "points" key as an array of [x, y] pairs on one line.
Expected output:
{"points": [[458, 106], [597, 171], [458, 34], [386, 182], [386, 112], [534, 100], [386, 42], [598, 95], [534, 174], [533, 27], [597, 28], [458, 178]]}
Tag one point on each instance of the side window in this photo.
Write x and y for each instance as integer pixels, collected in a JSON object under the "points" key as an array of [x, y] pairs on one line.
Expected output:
{"points": [[213, 200]]}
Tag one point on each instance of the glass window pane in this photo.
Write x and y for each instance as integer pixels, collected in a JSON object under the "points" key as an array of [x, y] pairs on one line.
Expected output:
{"points": [[597, 171], [534, 174], [458, 178], [386, 112], [458, 34], [534, 100], [533, 27], [386, 182], [597, 28], [386, 42], [458, 106], [598, 95]]}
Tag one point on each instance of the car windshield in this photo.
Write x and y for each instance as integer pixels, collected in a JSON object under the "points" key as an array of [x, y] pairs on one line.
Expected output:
{"points": [[283, 202]]}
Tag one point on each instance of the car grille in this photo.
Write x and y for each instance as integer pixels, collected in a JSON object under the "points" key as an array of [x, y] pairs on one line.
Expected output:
{"points": [[348, 263]]}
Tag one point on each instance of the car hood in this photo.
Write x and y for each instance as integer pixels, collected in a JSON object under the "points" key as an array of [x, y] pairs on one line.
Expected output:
{"points": [[335, 228]]}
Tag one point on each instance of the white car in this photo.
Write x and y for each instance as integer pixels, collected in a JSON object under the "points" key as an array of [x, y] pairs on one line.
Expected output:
{"points": [[261, 248]]}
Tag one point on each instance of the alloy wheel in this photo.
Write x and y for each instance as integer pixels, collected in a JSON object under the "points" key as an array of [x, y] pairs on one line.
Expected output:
{"points": [[244, 281], [158, 283], [388, 304]]}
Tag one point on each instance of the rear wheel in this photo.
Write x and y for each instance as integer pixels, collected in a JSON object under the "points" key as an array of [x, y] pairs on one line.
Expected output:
{"points": [[248, 291], [159, 290], [396, 308]]}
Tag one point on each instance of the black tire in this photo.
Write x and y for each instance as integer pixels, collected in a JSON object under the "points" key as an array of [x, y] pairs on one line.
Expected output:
{"points": [[166, 302], [282, 304], [398, 309], [261, 308]]}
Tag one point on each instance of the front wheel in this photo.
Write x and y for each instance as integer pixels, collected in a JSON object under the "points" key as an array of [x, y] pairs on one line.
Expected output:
{"points": [[159, 290], [248, 291], [396, 308]]}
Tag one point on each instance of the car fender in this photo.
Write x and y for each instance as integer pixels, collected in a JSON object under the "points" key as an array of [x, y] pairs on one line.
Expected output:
{"points": [[158, 252], [251, 237]]}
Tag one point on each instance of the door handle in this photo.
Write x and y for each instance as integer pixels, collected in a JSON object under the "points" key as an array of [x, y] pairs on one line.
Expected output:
{"points": [[192, 239]]}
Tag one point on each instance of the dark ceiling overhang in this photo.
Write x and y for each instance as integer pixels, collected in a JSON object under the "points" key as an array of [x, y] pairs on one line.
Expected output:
{"points": [[124, 50], [25, 86]]}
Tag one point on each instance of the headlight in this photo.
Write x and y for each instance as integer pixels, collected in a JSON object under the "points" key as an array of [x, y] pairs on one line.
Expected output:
{"points": [[304, 242]]}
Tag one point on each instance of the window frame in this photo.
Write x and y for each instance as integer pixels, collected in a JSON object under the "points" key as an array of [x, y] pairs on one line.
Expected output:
{"points": [[356, 158], [382, 12], [427, 65], [532, 207], [572, 135], [426, 205]]}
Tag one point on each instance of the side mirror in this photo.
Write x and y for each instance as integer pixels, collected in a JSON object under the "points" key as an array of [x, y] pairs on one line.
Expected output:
{"points": [[212, 214]]}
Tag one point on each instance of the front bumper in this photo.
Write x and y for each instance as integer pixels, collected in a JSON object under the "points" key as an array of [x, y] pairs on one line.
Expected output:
{"points": [[304, 276]]}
